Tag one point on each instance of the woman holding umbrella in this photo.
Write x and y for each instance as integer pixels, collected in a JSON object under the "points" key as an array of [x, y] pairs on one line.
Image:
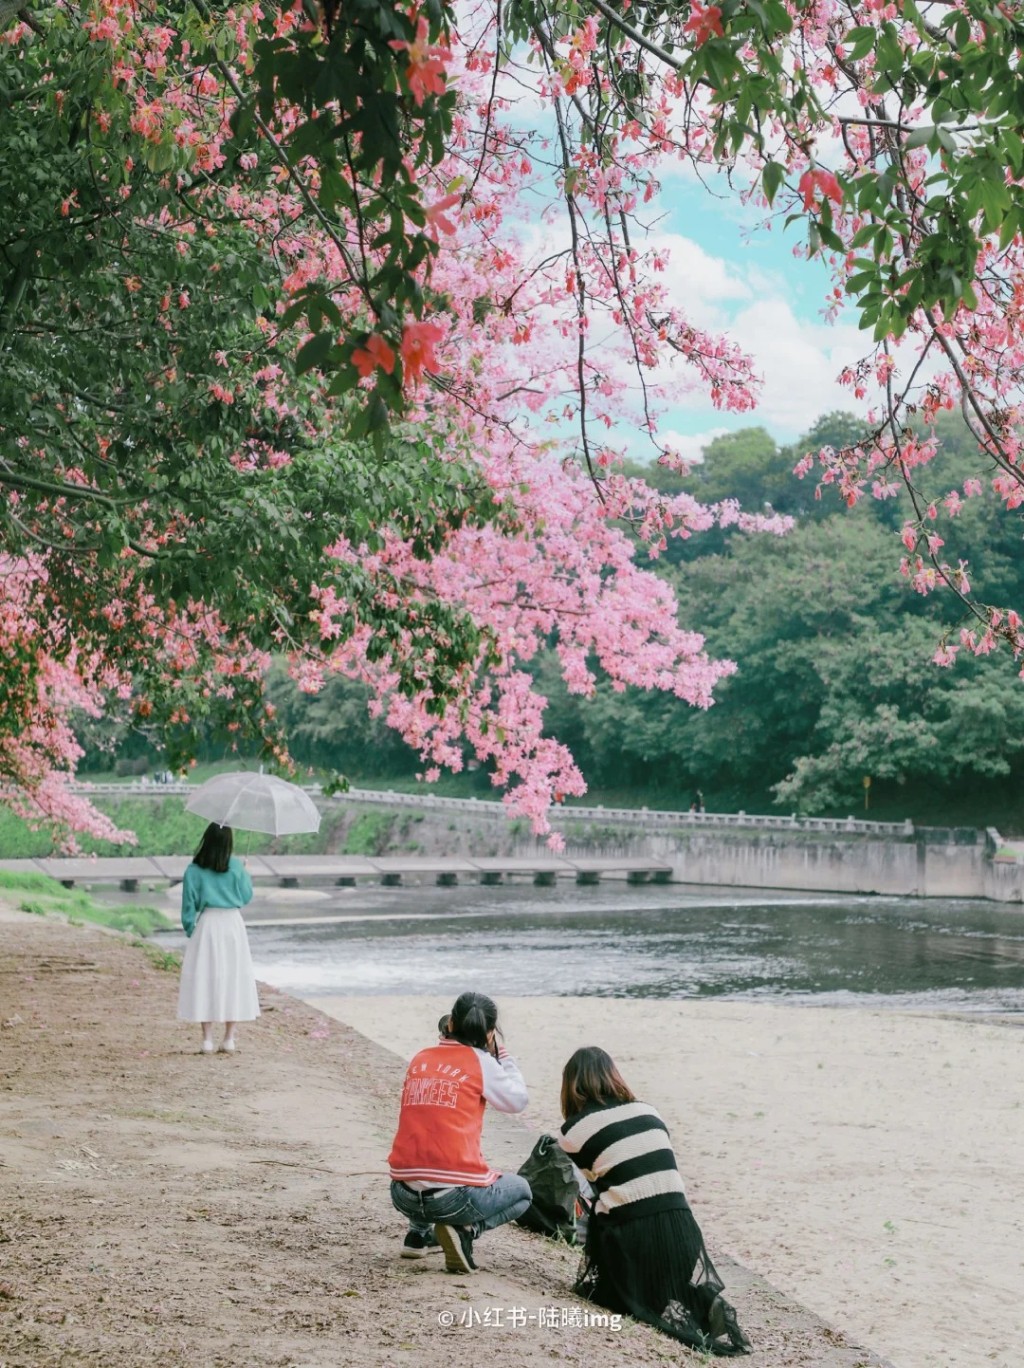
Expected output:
{"points": [[217, 979]]}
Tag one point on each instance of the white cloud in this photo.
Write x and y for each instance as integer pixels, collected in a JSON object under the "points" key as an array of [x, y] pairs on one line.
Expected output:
{"points": [[697, 282], [690, 446], [799, 361]]}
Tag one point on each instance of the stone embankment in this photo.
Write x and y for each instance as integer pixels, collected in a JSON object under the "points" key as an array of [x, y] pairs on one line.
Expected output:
{"points": [[924, 863]]}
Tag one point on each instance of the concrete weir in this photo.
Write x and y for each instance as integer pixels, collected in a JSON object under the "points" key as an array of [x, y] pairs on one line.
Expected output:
{"points": [[913, 867]]}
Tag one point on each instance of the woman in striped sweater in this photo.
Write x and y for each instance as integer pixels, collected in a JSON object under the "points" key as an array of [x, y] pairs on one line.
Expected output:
{"points": [[644, 1254]]}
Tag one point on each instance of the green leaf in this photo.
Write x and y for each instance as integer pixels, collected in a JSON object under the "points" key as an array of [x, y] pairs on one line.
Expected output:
{"points": [[771, 178], [314, 353], [860, 280], [862, 41], [919, 137]]}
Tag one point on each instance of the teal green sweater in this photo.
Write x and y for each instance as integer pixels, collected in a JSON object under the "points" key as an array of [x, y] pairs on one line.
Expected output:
{"points": [[203, 888]]}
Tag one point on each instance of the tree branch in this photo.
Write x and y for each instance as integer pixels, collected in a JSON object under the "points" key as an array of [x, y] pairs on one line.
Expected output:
{"points": [[662, 54]]}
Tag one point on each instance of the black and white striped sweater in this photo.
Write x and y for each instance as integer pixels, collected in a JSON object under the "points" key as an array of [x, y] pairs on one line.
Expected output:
{"points": [[625, 1152]]}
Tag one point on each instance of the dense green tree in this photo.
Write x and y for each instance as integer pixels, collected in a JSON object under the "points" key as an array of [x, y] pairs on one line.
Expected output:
{"points": [[779, 602], [334, 729], [886, 716], [835, 678], [748, 466]]}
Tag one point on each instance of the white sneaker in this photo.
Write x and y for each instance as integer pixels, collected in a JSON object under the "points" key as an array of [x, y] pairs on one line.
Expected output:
{"points": [[227, 1047]]}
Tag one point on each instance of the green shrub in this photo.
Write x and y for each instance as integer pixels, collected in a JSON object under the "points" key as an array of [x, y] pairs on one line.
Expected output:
{"points": [[167, 961]]}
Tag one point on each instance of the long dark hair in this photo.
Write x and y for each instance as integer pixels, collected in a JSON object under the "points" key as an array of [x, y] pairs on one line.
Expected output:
{"points": [[214, 850], [591, 1079], [473, 1018]]}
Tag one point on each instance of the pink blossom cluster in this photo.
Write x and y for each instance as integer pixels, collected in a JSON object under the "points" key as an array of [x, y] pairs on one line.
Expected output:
{"points": [[52, 679]]}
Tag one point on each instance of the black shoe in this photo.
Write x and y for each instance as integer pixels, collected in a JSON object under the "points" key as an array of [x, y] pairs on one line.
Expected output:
{"points": [[418, 1246], [457, 1243], [680, 1318], [722, 1321]]}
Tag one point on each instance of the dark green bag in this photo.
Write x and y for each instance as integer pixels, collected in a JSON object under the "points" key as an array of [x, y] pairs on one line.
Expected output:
{"points": [[556, 1191]]}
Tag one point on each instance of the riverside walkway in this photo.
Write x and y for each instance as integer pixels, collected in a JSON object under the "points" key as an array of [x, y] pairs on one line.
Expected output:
{"points": [[131, 873], [484, 809]]}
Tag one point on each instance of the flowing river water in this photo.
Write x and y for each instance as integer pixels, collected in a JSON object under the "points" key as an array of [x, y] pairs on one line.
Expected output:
{"points": [[615, 940]]}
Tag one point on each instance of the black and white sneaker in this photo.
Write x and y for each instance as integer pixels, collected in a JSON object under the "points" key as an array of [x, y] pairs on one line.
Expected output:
{"points": [[418, 1246], [457, 1243]]}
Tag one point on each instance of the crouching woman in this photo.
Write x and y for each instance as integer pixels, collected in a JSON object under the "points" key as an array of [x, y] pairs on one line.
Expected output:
{"points": [[440, 1180], [644, 1254]]}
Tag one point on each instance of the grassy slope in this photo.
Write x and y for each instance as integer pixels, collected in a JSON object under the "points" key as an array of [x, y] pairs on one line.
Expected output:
{"points": [[44, 897], [163, 827]]}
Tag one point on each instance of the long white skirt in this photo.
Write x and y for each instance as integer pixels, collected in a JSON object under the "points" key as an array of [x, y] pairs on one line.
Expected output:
{"points": [[217, 979]]}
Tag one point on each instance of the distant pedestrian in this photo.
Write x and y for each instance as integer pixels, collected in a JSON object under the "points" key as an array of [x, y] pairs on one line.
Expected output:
{"points": [[217, 979], [697, 805]]}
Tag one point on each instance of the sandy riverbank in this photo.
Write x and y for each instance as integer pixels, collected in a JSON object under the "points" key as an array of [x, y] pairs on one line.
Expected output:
{"points": [[160, 1209], [866, 1163]]}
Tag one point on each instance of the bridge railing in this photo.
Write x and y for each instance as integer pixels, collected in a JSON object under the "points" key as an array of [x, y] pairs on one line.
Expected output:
{"points": [[495, 808]]}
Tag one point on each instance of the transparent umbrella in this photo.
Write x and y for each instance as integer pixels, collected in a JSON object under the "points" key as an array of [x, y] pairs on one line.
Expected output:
{"points": [[255, 802]]}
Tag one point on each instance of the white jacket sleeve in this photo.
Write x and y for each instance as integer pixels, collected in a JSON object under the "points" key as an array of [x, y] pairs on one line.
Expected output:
{"points": [[504, 1088]]}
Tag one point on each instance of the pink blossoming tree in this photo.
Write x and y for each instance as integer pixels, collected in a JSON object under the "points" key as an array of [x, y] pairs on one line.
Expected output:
{"points": [[296, 358]]}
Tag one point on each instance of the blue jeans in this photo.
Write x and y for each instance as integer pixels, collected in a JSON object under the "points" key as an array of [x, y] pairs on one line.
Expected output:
{"points": [[479, 1208]]}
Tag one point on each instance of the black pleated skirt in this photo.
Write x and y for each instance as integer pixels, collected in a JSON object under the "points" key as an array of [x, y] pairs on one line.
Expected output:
{"points": [[648, 1261]]}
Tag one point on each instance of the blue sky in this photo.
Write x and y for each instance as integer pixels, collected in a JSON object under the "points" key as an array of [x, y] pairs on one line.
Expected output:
{"points": [[731, 273]]}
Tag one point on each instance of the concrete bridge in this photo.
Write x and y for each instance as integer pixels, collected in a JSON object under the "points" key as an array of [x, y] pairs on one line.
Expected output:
{"points": [[344, 871]]}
